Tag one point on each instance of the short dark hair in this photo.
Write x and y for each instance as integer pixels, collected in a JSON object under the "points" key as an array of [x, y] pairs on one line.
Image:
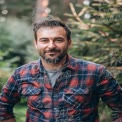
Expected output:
{"points": [[50, 21]]}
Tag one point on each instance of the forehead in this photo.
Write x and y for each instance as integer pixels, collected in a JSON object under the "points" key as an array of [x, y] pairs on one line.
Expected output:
{"points": [[51, 31]]}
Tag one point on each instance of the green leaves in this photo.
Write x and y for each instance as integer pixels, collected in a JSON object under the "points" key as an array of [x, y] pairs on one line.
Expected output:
{"points": [[16, 36]]}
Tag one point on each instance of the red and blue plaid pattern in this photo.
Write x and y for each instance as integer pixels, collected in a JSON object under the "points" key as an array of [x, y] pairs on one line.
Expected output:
{"points": [[74, 97]]}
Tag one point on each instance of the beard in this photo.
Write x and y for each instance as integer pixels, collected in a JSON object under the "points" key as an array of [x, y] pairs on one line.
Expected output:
{"points": [[54, 60]]}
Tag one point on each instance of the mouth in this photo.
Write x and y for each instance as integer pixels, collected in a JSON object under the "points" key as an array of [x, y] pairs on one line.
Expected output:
{"points": [[52, 52]]}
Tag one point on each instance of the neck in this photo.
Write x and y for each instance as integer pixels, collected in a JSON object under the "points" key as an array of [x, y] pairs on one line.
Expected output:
{"points": [[54, 66]]}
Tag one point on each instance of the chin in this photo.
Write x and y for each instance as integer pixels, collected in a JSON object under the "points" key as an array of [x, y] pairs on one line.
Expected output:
{"points": [[52, 60]]}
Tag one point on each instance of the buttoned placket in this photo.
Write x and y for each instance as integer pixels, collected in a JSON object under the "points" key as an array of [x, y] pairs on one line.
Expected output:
{"points": [[59, 114], [47, 82]]}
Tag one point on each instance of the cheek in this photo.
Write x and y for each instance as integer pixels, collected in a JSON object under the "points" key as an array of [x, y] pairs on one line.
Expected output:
{"points": [[65, 46], [40, 50], [41, 46]]}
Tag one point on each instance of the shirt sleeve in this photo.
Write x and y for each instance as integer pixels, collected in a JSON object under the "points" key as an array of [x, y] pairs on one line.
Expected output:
{"points": [[110, 92], [9, 96]]}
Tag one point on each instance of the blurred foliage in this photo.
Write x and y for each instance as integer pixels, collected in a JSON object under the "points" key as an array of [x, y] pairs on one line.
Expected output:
{"points": [[16, 46], [20, 112], [21, 9], [62, 6], [96, 35], [16, 37]]}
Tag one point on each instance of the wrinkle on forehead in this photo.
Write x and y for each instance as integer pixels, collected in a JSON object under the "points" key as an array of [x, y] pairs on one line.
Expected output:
{"points": [[51, 32]]}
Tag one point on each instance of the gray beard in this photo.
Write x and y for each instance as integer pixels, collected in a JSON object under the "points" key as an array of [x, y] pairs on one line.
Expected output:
{"points": [[52, 61], [56, 60]]}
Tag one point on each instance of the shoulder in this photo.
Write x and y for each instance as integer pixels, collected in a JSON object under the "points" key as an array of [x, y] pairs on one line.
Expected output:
{"points": [[89, 65], [29, 68], [29, 65]]}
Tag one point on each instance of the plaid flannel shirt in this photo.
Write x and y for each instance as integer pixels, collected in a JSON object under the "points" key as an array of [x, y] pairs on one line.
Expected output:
{"points": [[74, 97]]}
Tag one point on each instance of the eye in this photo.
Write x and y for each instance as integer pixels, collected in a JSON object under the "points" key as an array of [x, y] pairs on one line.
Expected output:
{"points": [[59, 40], [43, 40]]}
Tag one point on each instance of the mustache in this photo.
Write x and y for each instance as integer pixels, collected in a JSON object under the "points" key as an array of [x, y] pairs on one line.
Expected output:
{"points": [[52, 50]]}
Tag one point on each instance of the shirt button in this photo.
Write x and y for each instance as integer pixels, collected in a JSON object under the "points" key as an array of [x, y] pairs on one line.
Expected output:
{"points": [[63, 120], [57, 119], [71, 117], [41, 106]]}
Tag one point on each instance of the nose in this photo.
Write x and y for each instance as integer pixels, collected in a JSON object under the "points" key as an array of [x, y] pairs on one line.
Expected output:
{"points": [[51, 44]]}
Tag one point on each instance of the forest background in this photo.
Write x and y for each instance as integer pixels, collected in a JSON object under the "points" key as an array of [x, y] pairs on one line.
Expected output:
{"points": [[96, 34]]}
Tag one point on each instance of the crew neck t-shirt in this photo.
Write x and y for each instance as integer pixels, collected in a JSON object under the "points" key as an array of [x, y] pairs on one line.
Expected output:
{"points": [[53, 75]]}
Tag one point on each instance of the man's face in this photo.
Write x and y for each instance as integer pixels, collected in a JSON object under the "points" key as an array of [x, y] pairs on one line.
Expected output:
{"points": [[52, 44]]}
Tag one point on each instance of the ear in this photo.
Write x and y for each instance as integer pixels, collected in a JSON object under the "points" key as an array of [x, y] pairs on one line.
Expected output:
{"points": [[70, 43], [35, 43]]}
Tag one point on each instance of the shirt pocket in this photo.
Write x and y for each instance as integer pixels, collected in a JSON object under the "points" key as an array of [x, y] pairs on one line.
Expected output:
{"points": [[75, 97], [33, 95], [30, 91], [37, 98]]}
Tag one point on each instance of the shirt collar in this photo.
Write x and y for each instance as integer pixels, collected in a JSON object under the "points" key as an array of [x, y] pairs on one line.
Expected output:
{"points": [[70, 63]]}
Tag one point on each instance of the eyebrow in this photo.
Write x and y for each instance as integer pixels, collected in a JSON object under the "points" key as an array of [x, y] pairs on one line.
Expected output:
{"points": [[59, 38], [52, 38]]}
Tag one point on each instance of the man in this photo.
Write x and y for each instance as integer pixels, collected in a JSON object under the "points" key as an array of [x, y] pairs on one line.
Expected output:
{"points": [[58, 87]]}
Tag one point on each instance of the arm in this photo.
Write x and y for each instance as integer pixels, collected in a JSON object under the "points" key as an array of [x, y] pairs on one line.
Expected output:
{"points": [[9, 120], [118, 120], [8, 98], [111, 93]]}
